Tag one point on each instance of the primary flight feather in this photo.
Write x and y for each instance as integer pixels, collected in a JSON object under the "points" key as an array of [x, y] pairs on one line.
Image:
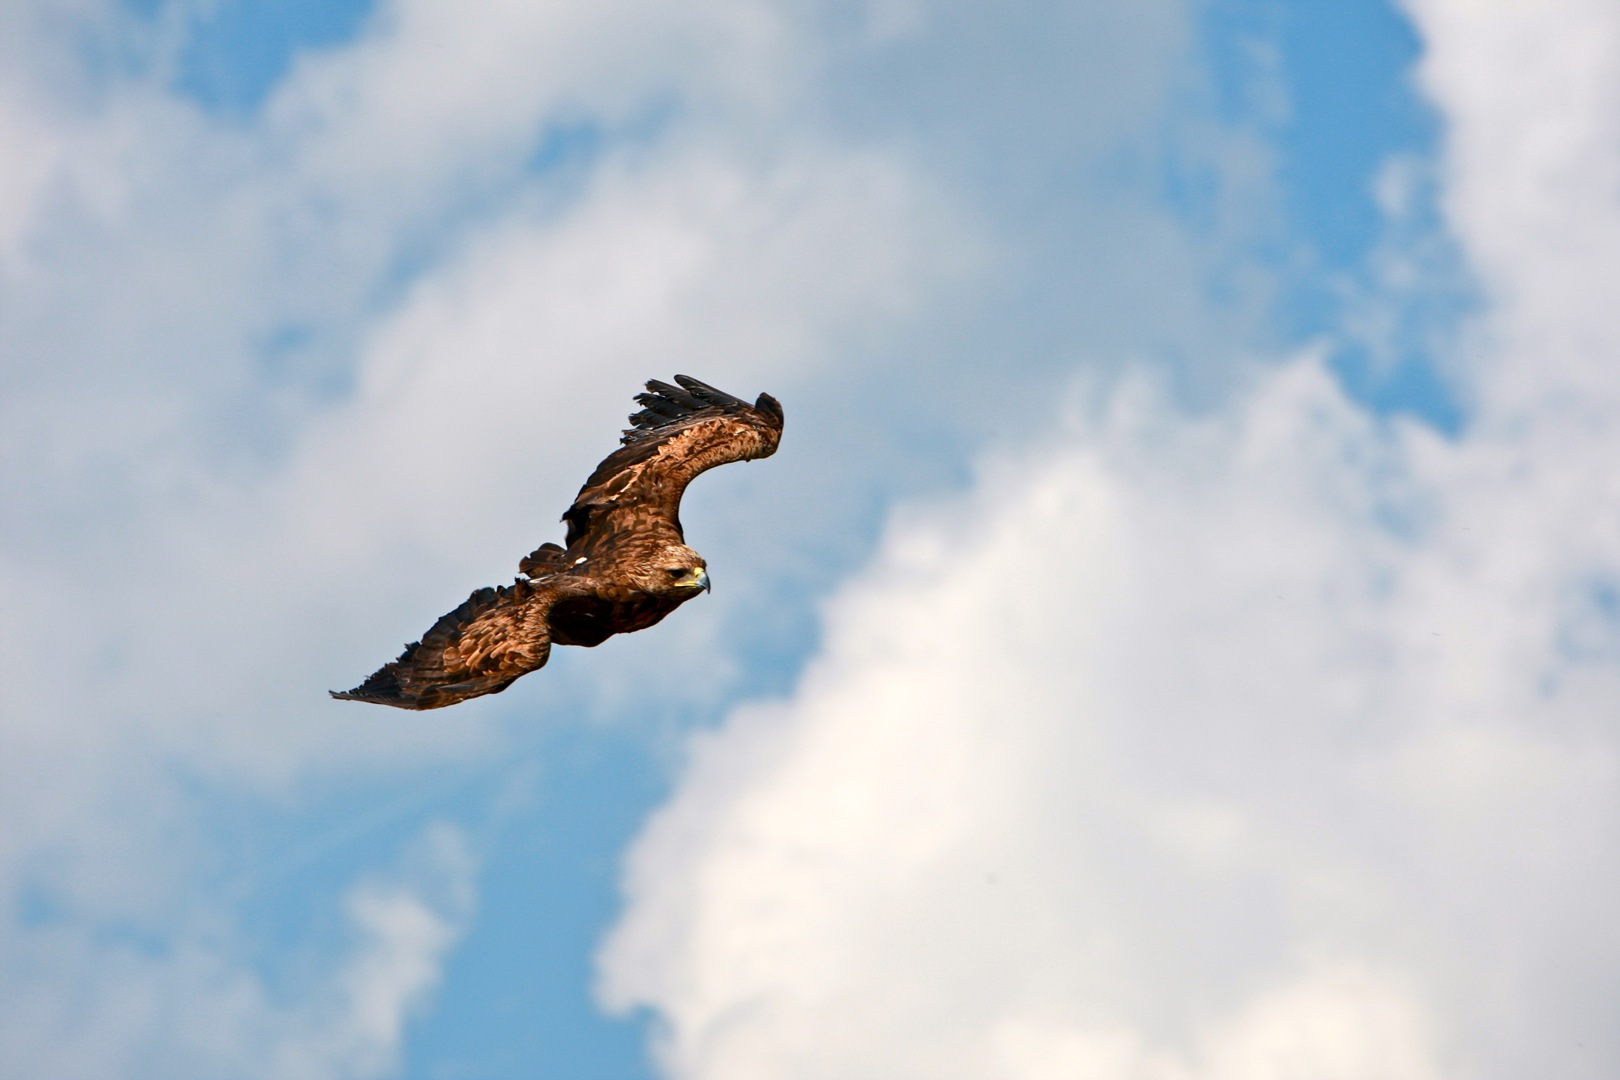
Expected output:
{"points": [[623, 567]]}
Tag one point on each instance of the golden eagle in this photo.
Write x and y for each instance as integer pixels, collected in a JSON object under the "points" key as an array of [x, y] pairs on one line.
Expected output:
{"points": [[624, 567]]}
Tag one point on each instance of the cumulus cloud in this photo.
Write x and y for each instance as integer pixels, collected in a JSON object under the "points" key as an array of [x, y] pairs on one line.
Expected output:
{"points": [[1272, 741]]}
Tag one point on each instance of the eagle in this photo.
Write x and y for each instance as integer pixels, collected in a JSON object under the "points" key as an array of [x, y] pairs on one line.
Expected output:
{"points": [[622, 567]]}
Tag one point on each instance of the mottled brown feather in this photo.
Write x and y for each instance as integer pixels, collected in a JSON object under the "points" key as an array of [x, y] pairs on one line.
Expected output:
{"points": [[609, 578], [640, 486]]}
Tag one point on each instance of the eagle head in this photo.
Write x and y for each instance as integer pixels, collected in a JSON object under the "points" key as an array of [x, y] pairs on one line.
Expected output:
{"points": [[677, 570]]}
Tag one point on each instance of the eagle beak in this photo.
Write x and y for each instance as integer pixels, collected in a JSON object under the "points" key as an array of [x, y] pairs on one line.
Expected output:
{"points": [[701, 576]]}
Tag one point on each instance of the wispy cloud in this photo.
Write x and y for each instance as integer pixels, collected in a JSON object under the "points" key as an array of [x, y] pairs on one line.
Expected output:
{"points": [[149, 1003]]}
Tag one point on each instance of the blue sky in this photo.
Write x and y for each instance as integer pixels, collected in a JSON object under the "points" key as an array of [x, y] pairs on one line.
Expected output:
{"points": [[315, 313]]}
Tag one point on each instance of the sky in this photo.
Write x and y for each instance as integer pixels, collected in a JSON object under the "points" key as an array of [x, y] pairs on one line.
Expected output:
{"points": [[1178, 638]]}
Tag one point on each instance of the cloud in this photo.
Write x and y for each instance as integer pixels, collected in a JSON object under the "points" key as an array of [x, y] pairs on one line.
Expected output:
{"points": [[23, 142], [189, 1008], [261, 374], [1332, 1024], [279, 384], [406, 929], [1273, 740]]}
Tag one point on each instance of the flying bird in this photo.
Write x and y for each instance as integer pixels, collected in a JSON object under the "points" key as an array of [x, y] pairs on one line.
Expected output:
{"points": [[623, 566]]}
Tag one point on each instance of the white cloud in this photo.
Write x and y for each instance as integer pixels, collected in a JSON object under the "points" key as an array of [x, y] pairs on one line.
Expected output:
{"points": [[269, 402], [407, 928], [1532, 167], [29, 152], [1273, 742], [189, 1008], [204, 534], [1342, 1024]]}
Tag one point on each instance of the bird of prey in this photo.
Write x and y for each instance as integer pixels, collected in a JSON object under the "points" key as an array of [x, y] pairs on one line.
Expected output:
{"points": [[623, 567]]}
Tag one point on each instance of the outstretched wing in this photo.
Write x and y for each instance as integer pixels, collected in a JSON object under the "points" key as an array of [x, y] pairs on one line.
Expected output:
{"points": [[479, 648], [629, 504], [681, 431]]}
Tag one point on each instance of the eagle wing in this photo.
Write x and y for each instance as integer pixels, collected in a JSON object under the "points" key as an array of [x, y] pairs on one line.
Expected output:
{"points": [[479, 648], [680, 432]]}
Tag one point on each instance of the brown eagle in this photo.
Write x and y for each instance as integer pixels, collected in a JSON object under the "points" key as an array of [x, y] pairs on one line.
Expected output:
{"points": [[624, 567]]}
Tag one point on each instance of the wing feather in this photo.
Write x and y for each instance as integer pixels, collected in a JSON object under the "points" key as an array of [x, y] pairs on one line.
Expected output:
{"points": [[481, 647], [680, 432], [708, 394]]}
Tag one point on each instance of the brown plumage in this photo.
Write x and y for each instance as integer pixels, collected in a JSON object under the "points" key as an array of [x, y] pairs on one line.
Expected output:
{"points": [[624, 567]]}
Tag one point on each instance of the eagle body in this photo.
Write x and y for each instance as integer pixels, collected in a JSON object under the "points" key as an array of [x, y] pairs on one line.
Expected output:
{"points": [[623, 566]]}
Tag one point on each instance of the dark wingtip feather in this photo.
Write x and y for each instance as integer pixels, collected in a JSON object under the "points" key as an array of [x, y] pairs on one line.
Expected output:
{"points": [[663, 404], [706, 393], [770, 407], [380, 688], [675, 396]]}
